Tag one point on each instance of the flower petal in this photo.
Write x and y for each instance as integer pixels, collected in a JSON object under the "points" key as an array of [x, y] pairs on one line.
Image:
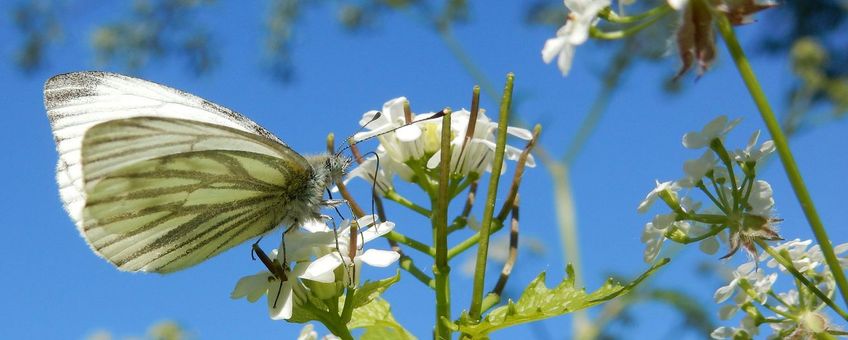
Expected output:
{"points": [[321, 270], [519, 132], [379, 258], [553, 47], [252, 287], [408, 133], [377, 231], [280, 301]]}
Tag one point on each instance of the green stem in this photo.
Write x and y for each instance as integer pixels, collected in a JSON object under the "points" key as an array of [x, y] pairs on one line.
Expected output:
{"points": [[489, 207], [781, 301], [332, 321], [440, 202], [611, 16], [711, 197], [598, 34], [459, 248], [412, 243], [458, 223], [775, 310], [408, 265], [725, 205], [785, 153], [687, 239], [347, 310], [800, 277], [707, 218], [717, 146], [398, 198]]}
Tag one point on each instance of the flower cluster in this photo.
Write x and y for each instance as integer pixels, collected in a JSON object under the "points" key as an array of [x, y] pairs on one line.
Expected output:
{"points": [[409, 140], [741, 212], [321, 256], [694, 37], [794, 314]]}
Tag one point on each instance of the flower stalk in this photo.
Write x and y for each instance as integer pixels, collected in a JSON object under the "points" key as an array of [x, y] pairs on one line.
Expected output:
{"points": [[782, 145], [489, 207], [801, 278], [441, 269]]}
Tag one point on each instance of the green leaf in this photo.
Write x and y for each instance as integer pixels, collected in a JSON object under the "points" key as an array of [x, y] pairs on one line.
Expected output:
{"points": [[372, 290], [313, 308], [377, 320], [539, 302], [309, 310]]}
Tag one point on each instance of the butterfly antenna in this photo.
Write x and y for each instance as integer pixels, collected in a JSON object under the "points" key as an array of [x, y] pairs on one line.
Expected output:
{"points": [[374, 182], [349, 138], [253, 249], [336, 208], [436, 115]]}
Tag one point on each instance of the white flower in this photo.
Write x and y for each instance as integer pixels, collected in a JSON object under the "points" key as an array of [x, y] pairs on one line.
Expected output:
{"points": [[761, 199], [716, 129], [422, 140], [653, 235], [696, 169], [751, 153], [669, 186], [802, 259], [322, 269], [402, 144], [478, 153], [653, 239], [388, 167], [760, 283], [280, 294], [574, 32], [746, 330], [708, 245]]}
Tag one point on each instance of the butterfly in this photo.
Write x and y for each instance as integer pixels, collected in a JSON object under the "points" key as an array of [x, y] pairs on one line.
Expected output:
{"points": [[159, 180]]}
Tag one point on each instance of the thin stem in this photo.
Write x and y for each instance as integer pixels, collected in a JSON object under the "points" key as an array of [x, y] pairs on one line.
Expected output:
{"points": [[598, 34], [405, 262], [512, 195], [719, 149], [460, 247], [775, 310], [495, 295], [489, 207], [780, 300], [465, 183], [711, 197], [411, 242], [441, 269], [687, 239], [800, 277], [462, 220], [785, 153], [611, 16], [725, 205], [398, 198], [408, 265]]}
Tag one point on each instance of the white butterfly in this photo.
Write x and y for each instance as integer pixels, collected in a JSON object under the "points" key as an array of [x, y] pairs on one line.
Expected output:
{"points": [[158, 180]]}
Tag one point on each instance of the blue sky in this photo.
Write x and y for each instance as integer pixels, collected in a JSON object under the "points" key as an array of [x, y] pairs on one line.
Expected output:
{"points": [[56, 288]]}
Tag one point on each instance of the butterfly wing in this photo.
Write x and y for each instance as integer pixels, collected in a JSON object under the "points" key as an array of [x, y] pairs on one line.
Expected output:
{"points": [[163, 194], [77, 101]]}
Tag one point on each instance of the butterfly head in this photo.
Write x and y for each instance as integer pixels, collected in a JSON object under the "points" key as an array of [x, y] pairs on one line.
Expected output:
{"points": [[329, 168]]}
